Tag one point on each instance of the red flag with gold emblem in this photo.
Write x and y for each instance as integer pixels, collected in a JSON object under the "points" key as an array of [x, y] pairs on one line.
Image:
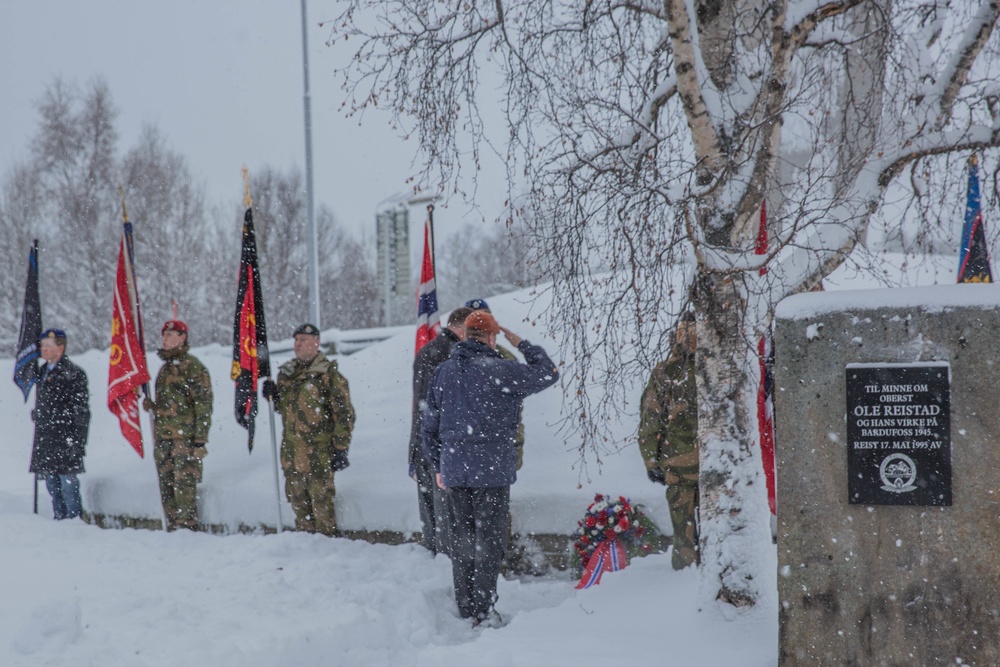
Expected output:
{"points": [[250, 354], [127, 371]]}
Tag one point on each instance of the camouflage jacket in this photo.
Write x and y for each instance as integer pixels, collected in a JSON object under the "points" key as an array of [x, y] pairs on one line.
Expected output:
{"points": [[519, 438], [668, 419], [314, 401], [183, 406]]}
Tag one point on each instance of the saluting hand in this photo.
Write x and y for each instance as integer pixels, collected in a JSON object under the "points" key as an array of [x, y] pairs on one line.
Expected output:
{"points": [[514, 339]]}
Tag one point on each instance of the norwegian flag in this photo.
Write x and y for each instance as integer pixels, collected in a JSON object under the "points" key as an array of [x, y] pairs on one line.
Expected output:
{"points": [[428, 323], [765, 396], [974, 254], [609, 556]]}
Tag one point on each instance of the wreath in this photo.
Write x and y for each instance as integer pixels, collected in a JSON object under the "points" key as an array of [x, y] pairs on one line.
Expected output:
{"points": [[627, 531]]}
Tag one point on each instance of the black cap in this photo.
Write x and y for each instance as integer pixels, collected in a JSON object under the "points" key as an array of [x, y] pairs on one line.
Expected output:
{"points": [[307, 329]]}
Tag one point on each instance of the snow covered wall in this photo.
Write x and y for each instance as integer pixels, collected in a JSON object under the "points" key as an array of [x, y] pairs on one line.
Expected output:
{"points": [[886, 542]]}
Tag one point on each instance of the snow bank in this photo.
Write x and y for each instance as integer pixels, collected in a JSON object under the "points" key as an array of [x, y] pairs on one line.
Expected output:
{"points": [[78, 595], [932, 298]]}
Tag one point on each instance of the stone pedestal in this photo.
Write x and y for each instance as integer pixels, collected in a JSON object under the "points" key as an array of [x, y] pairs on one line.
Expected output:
{"points": [[888, 584]]}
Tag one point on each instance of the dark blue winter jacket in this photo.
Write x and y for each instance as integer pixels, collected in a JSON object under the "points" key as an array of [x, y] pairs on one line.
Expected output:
{"points": [[473, 410]]}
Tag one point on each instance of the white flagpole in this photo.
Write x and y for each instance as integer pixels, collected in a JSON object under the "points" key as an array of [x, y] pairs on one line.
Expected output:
{"points": [[274, 452]]}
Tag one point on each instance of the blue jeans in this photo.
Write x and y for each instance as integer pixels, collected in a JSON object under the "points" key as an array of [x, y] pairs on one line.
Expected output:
{"points": [[65, 492]]}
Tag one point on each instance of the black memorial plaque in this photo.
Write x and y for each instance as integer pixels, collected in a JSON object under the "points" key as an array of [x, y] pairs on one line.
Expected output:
{"points": [[899, 434]]}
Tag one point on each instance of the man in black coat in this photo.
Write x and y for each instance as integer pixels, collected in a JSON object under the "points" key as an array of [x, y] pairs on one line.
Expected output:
{"points": [[431, 501], [62, 421], [469, 430]]}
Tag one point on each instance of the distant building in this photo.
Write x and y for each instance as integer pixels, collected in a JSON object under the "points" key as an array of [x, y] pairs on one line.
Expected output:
{"points": [[392, 240]]}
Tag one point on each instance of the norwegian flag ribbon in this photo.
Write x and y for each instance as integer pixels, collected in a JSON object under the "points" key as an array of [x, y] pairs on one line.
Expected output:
{"points": [[765, 395], [609, 556], [428, 323]]}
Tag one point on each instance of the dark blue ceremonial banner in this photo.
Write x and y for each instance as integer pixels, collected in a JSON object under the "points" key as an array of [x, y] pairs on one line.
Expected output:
{"points": [[26, 366]]}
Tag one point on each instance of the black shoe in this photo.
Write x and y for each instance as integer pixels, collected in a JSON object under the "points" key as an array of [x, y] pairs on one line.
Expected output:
{"points": [[489, 620]]}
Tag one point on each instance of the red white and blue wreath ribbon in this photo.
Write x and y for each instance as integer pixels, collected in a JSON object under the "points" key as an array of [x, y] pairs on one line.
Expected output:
{"points": [[609, 556]]}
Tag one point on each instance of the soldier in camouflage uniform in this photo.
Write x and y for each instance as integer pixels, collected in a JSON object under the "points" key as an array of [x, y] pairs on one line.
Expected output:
{"points": [[668, 439], [314, 401], [182, 416]]}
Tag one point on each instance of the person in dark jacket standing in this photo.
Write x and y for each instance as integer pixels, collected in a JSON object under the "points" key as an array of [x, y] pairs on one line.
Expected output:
{"points": [[431, 501], [62, 422], [469, 428], [480, 304]]}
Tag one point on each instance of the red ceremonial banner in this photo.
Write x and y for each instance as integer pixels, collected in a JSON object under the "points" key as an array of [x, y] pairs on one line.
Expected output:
{"points": [[127, 370], [248, 337]]}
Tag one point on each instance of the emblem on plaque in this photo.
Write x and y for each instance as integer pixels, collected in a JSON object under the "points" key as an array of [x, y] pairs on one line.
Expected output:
{"points": [[898, 473]]}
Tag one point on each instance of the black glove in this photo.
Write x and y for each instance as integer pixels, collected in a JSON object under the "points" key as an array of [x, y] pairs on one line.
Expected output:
{"points": [[32, 414], [269, 390], [338, 459], [656, 475]]}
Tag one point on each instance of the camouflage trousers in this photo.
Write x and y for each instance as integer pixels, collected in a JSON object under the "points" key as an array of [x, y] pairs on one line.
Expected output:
{"points": [[311, 496], [179, 471], [680, 471], [682, 496]]}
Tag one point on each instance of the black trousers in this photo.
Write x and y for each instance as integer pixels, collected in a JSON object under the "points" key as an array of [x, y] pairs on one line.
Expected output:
{"points": [[435, 517], [478, 539]]}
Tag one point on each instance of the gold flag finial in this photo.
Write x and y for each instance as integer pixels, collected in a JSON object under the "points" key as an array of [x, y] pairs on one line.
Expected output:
{"points": [[973, 160], [121, 193], [247, 201]]}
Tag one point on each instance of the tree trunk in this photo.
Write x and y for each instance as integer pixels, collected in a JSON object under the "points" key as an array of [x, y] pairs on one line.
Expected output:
{"points": [[734, 529]]}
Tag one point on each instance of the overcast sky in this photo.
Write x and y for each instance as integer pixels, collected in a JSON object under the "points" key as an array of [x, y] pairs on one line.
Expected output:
{"points": [[222, 80]]}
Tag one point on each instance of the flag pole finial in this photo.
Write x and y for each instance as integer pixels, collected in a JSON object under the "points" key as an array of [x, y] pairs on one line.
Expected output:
{"points": [[973, 160], [121, 193], [247, 201]]}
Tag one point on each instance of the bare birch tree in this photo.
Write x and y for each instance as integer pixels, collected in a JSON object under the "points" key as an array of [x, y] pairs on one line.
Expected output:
{"points": [[75, 156], [66, 195], [648, 134], [481, 261], [347, 277], [178, 251], [20, 215], [349, 294]]}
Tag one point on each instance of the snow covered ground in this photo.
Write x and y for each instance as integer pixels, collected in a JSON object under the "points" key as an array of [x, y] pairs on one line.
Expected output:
{"points": [[74, 594]]}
